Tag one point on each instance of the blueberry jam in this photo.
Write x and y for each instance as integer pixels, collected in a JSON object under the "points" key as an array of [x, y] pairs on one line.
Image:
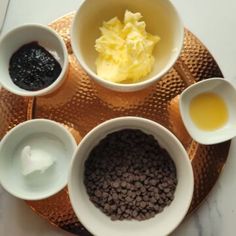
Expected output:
{"points": [[33, 68]]}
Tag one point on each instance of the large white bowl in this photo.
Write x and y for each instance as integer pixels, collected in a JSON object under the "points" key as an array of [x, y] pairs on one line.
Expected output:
{"points": [[47, 38], [161, 19], [162, 224], [44, 136]]}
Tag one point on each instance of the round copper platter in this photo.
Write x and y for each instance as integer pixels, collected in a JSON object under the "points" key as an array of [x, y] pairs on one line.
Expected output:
{"points": [[80, 105]]}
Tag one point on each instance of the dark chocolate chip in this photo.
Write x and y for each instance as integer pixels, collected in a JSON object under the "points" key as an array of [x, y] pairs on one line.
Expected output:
{"points": [[128, 176]]}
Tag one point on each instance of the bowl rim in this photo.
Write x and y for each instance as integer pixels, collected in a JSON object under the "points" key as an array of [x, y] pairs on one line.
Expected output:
{"points": [[60, 78], [24, 125], [115, 120], [132, 86]]}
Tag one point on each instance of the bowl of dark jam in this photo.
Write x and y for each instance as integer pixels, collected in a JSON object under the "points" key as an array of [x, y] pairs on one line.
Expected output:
{"points": [[33, 60]]}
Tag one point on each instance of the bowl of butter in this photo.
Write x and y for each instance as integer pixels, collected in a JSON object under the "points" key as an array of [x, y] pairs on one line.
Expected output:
{"points": [[127, 45]]}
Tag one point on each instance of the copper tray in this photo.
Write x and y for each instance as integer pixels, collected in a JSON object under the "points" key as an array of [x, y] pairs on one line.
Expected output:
{"points": [[80, 104]]}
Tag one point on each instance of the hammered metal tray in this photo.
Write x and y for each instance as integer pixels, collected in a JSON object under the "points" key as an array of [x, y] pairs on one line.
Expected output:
{"points": [[80, 105]]}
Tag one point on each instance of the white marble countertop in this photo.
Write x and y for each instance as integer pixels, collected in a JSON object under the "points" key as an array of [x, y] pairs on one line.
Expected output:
{"points": [[214, 22]]}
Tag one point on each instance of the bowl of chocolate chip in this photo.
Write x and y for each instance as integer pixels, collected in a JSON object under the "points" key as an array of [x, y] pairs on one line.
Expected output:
{"points": [[33, 60], [130, 176]]}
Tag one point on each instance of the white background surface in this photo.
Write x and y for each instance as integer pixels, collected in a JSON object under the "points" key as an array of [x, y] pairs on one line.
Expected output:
{"points": [[214, 22]]}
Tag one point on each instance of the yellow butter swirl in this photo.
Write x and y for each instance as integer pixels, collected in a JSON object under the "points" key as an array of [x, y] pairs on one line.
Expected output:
{"points": [[125, 49]]}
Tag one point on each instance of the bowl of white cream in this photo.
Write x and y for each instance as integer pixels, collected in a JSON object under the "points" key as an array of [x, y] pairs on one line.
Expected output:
{"points": [[127, 45], [34, 159]]}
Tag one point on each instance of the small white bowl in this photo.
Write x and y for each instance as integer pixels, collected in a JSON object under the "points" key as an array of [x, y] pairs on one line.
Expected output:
{"points": [[44, 136], [162, 224], [227, 92], [161, 19], [47, 38]]}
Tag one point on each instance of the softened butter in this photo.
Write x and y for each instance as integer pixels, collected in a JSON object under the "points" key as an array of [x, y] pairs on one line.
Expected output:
{"points": [[125, 49]]}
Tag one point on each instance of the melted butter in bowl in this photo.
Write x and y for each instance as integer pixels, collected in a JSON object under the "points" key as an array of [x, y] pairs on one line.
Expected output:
{"points": [[208, 110]]}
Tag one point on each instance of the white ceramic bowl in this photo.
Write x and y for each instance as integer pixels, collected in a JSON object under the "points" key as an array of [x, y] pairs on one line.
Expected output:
{"points": [[161, 19], [47, 38], [44, 136], [227, 92], [162, 224]]}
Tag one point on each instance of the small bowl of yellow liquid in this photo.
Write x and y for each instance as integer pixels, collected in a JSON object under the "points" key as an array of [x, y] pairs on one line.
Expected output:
{"points": [[208, 110]]}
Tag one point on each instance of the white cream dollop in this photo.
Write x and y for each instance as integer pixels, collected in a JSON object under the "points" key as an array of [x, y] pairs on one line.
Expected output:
{"points": [[35, 160]]}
